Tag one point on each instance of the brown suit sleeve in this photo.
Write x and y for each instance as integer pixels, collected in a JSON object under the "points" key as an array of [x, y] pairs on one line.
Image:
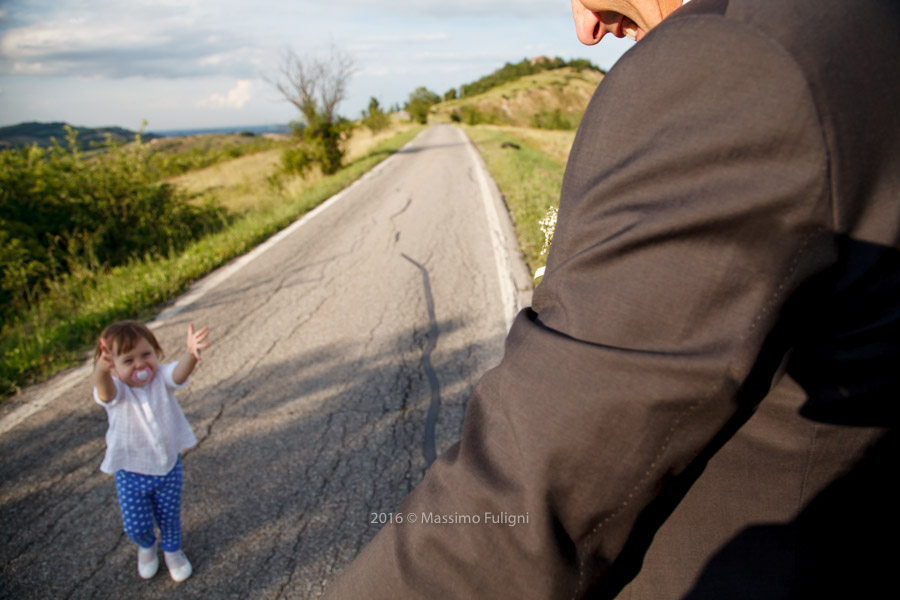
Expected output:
{"points": [[695, 204]]}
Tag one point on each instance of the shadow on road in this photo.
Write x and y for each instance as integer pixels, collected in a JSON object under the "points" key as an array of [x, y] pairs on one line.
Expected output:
{"points": [[295, 463]]}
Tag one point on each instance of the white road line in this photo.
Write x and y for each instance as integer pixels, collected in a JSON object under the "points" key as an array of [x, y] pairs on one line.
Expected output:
{"points": [[498, 240], [55, 389]]}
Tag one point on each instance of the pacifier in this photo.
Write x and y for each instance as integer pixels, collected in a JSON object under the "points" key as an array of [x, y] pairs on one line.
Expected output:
{"points": [[141, 375]]}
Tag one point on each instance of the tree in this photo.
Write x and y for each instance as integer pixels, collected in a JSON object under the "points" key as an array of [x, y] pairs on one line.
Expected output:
{"points": [[450, 94], [419, 102], [316, 87], [375, 118]]}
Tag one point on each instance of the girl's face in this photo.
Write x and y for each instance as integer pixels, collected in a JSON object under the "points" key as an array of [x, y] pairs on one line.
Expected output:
{"points": [[137, 366]]}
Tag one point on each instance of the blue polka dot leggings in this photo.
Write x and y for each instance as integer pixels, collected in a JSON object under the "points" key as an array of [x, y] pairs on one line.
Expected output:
{"points": [[145, 498]]}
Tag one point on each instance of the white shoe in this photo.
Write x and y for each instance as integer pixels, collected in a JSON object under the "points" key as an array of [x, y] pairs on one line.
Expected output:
{"points": [[148, 561], [179, 565]]}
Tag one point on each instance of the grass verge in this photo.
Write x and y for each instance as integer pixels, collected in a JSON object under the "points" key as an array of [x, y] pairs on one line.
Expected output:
{"points": [[58, 331], [529, 177]]}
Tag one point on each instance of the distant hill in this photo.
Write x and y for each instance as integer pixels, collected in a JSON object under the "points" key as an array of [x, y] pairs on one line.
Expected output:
{"points": [[528, 66], [43, 134], [548, 99]]}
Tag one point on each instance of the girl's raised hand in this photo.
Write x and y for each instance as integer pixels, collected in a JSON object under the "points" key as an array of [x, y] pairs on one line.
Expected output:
{"points": [[195, 340], [106, 358]]}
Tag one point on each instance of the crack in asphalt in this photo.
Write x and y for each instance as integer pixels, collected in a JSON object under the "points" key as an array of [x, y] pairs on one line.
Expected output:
{"points": [[239, 380], [402, 210], [56, 500], [395, 231], [293, 562], [57, 526], [99, 565]]}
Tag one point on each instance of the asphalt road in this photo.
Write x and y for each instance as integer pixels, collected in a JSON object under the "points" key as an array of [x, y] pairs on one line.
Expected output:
{"points": [[342, 358]]}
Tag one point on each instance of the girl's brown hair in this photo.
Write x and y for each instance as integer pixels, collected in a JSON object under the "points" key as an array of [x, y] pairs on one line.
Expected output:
{"points": [[122, 336]]}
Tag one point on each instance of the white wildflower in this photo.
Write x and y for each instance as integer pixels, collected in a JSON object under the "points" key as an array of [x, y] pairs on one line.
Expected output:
{"points": [[548, 226]]}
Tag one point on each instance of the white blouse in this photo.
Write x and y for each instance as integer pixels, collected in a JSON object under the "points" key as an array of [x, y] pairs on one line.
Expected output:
{"points": [[147, 428]]}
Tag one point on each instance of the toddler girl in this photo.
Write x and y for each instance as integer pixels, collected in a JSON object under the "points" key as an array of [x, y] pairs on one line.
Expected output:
{"points": [[147, 432]]}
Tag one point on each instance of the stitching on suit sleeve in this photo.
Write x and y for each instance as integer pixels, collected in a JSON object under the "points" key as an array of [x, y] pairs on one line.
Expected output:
{"points": [[776, 298], [641, 483]]}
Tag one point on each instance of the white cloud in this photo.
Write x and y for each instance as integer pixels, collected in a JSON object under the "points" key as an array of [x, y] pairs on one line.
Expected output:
{"points": [[152, 41], [237, 97], [73, 37]]}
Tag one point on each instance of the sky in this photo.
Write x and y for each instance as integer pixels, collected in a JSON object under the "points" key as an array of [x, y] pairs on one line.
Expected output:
{"points": [[193, 64]]}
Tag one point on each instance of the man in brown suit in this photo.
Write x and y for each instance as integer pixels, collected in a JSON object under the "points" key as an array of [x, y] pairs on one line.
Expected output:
{"points": [[701, 402]]}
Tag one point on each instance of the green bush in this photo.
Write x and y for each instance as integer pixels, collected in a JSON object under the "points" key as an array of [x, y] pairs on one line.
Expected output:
{"points": [[470, 115], [375, 118], [295, 161], [552, 120], [319, 142], [60, 211], [419, 102]]}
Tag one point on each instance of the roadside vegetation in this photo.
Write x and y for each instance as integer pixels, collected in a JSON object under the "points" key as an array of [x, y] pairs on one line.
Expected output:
{"points": [[420, 102], [528, 168], [60, 289], [89, 236]]}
